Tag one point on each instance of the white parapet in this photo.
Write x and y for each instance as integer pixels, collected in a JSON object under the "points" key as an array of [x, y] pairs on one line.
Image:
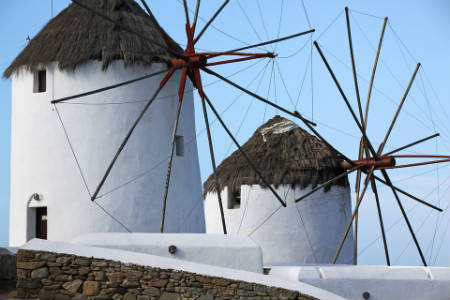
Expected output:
{"points": [[177, 264], [230, 251], [374, 282]]}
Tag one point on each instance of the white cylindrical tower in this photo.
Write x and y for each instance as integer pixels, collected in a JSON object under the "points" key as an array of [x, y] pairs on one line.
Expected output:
{"points": [[294, 162], [60, 153]]}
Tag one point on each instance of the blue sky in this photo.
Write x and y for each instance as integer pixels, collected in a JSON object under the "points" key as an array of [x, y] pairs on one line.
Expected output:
{"points": [[417, 31]]}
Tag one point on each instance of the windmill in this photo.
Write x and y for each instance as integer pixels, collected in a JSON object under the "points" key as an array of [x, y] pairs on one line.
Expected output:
{"points": [[192, 62]]}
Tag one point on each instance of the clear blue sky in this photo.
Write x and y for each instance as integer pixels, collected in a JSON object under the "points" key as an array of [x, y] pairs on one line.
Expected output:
{"points": [[423, 27]]}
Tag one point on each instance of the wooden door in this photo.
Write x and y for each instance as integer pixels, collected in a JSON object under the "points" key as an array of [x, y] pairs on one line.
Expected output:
{"points": [[41, 223]]}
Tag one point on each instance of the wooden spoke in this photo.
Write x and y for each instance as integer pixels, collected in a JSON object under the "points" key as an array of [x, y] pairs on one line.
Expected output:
{"points": [[411, 231], [407, 194], [266, 183], [194, 23], [363, 131], [109, 87], [127, 137], [325, 184], [357, 190], [147, 9], [372, 77], [295, 114], [349, 225], [169, 166], [381, 148], [211, 20], [273, 41], [213, 162], [186, 13], [380, 218], [352, 57], [412, 144], [360, 155]]}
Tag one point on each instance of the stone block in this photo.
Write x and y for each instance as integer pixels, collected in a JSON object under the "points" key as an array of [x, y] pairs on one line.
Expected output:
{"points": [[115, 277], [158, 283], [169, 296], [73, 286], [62, 297], [39, 273], [30, 265], [130, 283], [99, 276], [46, 295], [52, 287], [29, 283], [85, 262], [99, 263], [84, 270], [152, 291], [117, 297], [90, 288], [54, 270], [22, 274], [63, 260], [129, 296], [46, 281]]}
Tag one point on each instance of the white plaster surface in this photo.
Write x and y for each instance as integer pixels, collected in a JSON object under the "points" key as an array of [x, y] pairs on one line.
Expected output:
{"points": [[169, 263], [306, 232], [382, 282], [42, 161], [230, 251]]}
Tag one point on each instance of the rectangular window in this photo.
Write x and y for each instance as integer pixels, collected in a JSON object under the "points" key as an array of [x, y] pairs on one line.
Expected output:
{"points": [[234, 199], [40, 81], [179, 145]]}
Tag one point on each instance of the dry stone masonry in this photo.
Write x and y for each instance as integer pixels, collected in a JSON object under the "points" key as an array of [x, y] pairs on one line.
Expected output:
{"points": [[47, 275]]}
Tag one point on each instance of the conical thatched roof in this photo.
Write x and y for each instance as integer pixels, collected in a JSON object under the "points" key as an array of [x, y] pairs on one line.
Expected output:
{"points": [[285, 154], [77, 35]]}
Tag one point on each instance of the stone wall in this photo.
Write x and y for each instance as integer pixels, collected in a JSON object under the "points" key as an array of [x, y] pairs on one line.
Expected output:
{"points": [[61, 276]]}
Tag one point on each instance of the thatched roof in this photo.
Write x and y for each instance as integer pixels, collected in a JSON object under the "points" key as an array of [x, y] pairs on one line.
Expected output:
{"points": [[77, 35], [285, 154]]}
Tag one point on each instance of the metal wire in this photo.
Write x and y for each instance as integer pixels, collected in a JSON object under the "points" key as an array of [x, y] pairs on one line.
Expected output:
{"points": [[303, 80], [247, 111], [284, 84], [250, 23], [221, 31], [391, 72], [395, 223], [306, 232], [81, 171], [329, 25], [112, 217], [366, 14], [72, 150]]}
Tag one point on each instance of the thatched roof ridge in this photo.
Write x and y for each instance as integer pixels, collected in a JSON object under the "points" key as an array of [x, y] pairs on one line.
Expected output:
{"points": [[285, 154], [77, 35]]}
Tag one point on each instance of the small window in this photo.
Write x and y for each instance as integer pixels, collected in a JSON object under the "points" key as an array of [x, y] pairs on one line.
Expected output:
{"points": [[234, 199], [40, 81], [179, 145]]}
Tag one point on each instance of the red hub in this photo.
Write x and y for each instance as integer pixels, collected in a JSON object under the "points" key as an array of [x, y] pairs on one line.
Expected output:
{"points": [[381, 163]]}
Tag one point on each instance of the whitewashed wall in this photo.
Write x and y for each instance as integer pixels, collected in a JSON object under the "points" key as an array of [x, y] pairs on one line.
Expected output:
{"points": [[42, 162], [309, 233]]}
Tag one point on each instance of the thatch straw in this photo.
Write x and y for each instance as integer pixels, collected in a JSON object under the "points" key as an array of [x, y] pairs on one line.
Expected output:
{"points": [[285, 154], [77, 35]]}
